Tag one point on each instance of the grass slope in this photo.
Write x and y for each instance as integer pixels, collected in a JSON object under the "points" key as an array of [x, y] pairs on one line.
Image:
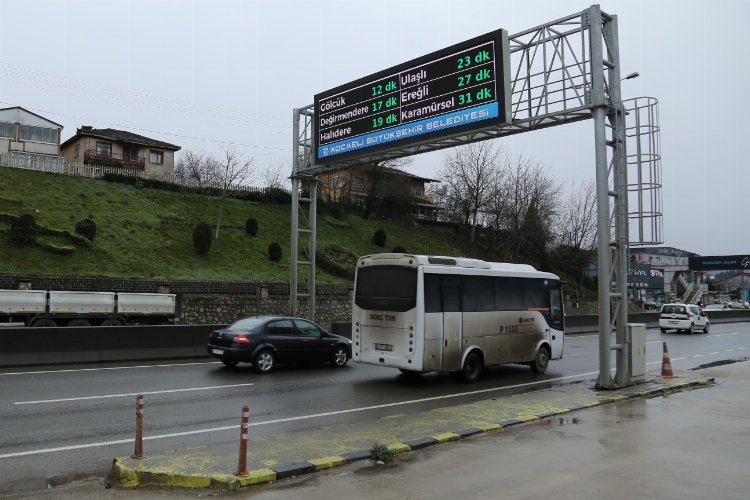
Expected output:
{"points": [[147, 233]]}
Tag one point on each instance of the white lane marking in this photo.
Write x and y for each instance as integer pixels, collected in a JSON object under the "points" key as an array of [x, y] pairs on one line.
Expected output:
{"points": [[291, 419], [129, 394], [698, 356], [725, 334], [73, 370], [711, 353]]}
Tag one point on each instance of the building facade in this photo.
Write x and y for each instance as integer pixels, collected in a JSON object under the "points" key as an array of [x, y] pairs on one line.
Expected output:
{"points": [[119, 151], [28, 140]]}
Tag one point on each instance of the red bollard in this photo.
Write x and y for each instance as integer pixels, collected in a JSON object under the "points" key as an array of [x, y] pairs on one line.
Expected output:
{"points": [[242, 467], [138, 427]]}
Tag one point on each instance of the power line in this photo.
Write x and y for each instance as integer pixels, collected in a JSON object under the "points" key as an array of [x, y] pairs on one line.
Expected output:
{"points": [[216, 141]]}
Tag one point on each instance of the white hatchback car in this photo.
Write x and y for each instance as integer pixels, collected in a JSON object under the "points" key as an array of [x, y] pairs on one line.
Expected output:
{"points": [[686, 317]]}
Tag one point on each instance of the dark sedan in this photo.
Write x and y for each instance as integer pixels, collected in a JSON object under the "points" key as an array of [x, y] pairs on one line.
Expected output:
{"points": [[265, 341]]}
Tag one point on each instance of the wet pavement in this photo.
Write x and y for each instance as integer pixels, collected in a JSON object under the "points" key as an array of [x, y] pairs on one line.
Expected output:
{"points": [[658, 439]]}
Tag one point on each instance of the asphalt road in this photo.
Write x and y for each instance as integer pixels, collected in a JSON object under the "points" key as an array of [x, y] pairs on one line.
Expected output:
{"points": [[63, 423]]}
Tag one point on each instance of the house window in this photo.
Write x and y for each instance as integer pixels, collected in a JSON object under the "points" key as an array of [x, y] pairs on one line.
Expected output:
{"points": [[156, 157], [130, 153], [336, 181], [38, 134], [7, 130], [104, 148], [76, 150], [359, 183]]}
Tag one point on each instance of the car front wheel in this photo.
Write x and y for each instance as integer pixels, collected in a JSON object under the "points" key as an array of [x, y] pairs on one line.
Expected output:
{"points": [[705, 328], [264, 361], [339, 357]]}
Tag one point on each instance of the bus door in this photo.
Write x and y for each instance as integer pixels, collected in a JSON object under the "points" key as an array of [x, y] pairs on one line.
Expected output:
{"points": [[452, 323], [556, 322]]}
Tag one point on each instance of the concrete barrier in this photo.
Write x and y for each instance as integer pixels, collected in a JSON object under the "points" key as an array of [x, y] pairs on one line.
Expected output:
{"points": [[49, 346], [37, 346]]}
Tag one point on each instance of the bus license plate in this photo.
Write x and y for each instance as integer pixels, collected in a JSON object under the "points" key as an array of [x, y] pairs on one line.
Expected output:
{"points": [[384, 347]]}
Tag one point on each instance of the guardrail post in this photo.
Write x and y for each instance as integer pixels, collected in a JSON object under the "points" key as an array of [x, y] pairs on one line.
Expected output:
{"points": [[138, 427], [242, 467]]}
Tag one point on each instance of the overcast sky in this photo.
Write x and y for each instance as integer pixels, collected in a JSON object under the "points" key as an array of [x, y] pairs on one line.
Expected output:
{"points": [[200, 74]]}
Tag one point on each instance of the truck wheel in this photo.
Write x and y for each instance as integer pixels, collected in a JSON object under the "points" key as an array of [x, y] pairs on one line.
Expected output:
{"points": [[111, 322], [79, 322], [44, 323]]}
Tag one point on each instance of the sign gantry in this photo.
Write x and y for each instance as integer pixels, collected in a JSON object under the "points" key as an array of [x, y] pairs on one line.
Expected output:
{"points": [[491, 86]]}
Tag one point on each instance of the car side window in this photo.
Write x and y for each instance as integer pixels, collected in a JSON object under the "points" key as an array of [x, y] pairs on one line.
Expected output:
{"points": [[281, 327], [307, 329]]}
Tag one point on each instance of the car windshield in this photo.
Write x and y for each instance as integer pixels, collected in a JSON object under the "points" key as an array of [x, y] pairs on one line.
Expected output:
{"points": [[245, 324], [673, 309]]}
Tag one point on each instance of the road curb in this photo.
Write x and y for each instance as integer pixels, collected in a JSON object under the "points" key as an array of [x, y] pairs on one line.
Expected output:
{"points": [[131, 473]]}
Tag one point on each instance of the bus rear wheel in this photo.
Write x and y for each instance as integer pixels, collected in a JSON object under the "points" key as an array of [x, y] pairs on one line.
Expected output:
{"points": [[541, 360], [472, 368]]}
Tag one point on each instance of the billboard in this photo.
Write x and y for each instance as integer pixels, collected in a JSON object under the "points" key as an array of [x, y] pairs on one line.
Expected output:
{"points": [[461, 88], [719, 262], [644, 276]]}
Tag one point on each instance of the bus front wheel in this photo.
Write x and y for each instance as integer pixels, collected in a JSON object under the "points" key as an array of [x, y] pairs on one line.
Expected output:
{"points": [[472, 368], [541, 360]]}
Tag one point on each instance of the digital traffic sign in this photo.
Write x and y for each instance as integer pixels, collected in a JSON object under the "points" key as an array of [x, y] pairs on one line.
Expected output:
{"points": [[460, 88]]}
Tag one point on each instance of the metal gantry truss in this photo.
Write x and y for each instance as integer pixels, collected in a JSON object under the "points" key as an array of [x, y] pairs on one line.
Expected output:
{"points": [[563, 71]]}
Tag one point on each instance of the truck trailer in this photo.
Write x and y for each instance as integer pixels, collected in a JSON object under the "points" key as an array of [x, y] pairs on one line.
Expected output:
{"points": [[41, 308]]}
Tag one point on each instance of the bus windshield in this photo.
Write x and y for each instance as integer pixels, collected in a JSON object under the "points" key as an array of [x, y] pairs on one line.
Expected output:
{"points": [[386, 288]]}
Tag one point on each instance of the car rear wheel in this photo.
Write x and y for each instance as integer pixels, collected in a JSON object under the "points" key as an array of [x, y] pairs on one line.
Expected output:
{"points": [[663, 330], [691, 330], [339, 357], [229, 362], [264, 361]]}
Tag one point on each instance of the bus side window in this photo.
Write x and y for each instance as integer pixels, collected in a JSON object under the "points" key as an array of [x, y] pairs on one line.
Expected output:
{"points": [[508, 294], [451, 288], [432, 299]]}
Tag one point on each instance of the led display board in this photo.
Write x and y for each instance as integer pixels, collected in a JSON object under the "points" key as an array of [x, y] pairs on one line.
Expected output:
{"points": [[457, 89], [719, 262]]}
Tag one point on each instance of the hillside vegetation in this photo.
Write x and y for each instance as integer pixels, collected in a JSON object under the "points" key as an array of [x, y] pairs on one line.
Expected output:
{"points": [[148, 233]]}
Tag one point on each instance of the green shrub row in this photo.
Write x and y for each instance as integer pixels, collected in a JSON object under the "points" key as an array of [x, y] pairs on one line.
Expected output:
{"points": [[48, 231]]}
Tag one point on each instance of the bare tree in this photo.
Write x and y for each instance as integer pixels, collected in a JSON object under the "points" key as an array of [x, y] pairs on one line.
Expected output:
{"points": [[192, 169], [576, 222], [530, 202], [470, 173], [273, 176], [231, 171]]}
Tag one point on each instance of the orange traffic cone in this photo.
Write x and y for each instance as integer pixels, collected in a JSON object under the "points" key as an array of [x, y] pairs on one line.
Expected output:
{"points": [[666, 364]]}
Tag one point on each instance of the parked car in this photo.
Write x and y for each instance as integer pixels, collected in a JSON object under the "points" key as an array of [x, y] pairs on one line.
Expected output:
{"points": [[716, 307], [266, 341], [738, 304], [685, 317]]}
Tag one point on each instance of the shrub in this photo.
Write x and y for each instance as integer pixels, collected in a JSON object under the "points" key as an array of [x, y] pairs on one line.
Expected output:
{"points": [[87, 228], [399, 249], [337, 260], [379, 237], [59, 249], [251, 226], [382, 453], [274, 252], [202, 238], [23, 231]]}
